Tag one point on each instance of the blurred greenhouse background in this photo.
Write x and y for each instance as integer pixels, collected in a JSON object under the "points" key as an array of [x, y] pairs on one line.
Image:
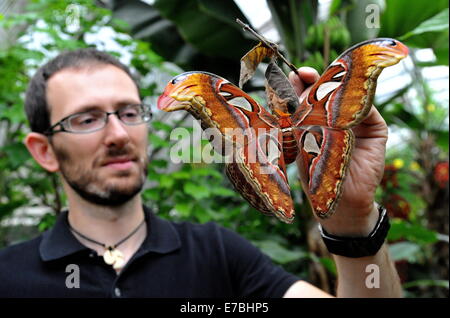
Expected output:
{"points": [[162, 38]]}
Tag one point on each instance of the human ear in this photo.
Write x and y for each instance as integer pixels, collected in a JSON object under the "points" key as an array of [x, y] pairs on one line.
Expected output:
{"points": [[42, 151]]}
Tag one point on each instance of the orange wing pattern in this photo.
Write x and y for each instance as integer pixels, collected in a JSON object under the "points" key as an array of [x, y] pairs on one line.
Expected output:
{"points": [[248, 127], [315, 133]]}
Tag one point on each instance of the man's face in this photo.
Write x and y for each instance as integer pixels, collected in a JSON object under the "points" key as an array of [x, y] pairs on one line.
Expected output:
{"points": [[105, 167]]}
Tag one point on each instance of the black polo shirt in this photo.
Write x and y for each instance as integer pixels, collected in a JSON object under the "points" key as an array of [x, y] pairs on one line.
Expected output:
{"points": [[175, 260]]}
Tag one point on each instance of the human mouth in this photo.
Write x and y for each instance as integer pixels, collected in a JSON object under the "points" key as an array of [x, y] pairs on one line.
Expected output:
{"points": [[119, 163]]}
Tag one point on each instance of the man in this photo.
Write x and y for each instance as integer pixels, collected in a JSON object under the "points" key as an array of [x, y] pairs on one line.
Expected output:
{"points": [[89, 125]]}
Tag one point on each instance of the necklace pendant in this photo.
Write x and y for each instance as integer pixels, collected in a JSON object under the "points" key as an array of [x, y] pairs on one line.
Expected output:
{"points": [[114, 257], [119, 259], [109, 256]]}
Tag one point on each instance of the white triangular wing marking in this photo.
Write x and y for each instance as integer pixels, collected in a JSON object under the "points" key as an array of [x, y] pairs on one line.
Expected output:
{"points": [[225, 94], [241, 102], [339, 74], [310, 144], [326, 88]]}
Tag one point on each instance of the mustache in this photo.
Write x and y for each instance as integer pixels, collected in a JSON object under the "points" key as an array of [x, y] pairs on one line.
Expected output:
{"points": [[114, 152], [110, 153]]}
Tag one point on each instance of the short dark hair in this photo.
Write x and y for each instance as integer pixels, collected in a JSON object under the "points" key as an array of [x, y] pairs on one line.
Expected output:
{"points": [[36, 106]]}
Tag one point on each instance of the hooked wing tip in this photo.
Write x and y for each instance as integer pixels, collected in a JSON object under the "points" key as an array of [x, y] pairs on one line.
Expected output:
{"points": [[166, 103], [286, 218], [162, 101], [183, 76]]}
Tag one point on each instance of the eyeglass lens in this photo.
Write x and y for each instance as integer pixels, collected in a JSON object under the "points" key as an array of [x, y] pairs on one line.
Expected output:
{"points": [[96, 119]]}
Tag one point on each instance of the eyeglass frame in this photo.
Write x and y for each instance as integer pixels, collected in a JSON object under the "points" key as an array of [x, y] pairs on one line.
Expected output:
{"points": [[146, 109]]}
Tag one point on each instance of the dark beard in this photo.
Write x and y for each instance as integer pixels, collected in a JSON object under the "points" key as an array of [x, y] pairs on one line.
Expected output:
{"points": [[113, 196], [110, 196]]}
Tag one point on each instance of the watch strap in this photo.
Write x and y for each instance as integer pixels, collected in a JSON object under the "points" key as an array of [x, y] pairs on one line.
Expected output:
{"points": [[359, 246]]}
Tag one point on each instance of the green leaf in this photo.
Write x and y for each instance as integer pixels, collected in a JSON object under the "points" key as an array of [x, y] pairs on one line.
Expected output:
{"points": [[121, 25], [197, 191], [159, 125], [159, 163], [403, 16], [181, 175], [427, 283], [218, 16], [46, 222], [166, 181], [152, 194], [14, 113], [437, 23], [360, 17], [207, 171], [397, 114], [334, 7], [401, 229], [9, 207], [404, 251], [223, 192], [184, 208], [17, 154], [189, 33], [440, 48], [153, 175], [279, 253], [329, 264], [442, 138], [157, 141], [202, 214]]}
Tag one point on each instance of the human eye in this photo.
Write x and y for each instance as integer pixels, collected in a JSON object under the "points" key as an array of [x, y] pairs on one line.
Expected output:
{"points": [[131, 113], [86, 121]]}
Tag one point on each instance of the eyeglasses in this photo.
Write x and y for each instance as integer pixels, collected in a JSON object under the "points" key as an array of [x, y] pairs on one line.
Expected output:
{"points": [[93, 120]]}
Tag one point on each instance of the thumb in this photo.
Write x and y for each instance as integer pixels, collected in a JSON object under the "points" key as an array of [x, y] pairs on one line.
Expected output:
{"points": [[306, 77]]}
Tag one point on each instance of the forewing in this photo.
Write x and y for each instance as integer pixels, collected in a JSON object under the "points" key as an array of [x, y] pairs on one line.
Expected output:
{"points": [[252, 138], [344, 94]]}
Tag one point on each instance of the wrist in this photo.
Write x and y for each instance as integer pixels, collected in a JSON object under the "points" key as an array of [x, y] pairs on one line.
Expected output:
{"points": [[347, 223], [359, 246]]}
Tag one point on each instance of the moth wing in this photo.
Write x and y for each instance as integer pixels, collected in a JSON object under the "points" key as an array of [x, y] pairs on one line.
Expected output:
{"points": [[251, 137], [323, 160], [258, 173]]}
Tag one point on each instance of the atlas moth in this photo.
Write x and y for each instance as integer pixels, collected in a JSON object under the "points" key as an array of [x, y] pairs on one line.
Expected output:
{"points": [[315, 133]]}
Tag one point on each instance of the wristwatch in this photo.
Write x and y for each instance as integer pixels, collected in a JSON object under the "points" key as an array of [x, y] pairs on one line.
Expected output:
{"points": [[359, 246]]}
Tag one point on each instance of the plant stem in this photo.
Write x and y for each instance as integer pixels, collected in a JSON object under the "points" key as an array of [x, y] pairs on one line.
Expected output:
{"points": [[268, 44]]}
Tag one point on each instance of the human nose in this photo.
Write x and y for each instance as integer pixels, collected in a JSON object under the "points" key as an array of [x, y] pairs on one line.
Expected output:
{"points": [[116, 133]]}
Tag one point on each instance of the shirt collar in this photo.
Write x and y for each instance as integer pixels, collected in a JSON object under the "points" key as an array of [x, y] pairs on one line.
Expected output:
{"points": [[59, 242]]}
